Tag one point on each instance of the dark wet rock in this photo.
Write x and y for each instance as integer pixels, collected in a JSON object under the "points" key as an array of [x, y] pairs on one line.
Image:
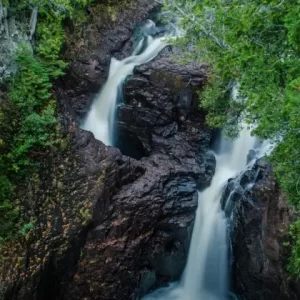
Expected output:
{"points": [[251, 155], [262, 163], [141, 234], [76, 187], [166, 131], [228, 192], [230, 197], [172, 99], [247, 178], [261, 219]]}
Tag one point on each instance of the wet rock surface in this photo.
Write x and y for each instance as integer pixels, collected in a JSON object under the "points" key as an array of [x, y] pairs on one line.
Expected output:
{"points": [[74, 191], [260, 222], [158, 100], [146, 228], [144, 232]]}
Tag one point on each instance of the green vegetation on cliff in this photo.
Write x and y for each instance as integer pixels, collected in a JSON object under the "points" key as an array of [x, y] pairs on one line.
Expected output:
{"points": [[255, 45], [26, 128], [28, 121]]}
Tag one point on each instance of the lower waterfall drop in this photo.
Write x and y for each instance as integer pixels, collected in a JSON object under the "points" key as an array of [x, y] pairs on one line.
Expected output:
{"points": [[206, 275], [101, 117]]}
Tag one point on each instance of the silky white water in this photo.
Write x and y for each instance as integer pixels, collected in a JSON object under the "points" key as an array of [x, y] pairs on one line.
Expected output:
{"points": [[100, 119], [206, 274]]}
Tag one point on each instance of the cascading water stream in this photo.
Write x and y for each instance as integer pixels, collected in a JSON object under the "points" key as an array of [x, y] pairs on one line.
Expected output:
{"points": [[206, 276], [100, 119]]}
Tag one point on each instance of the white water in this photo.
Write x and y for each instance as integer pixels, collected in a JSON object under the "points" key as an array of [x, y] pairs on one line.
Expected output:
{"points": [[206, 273], [100, 119]]}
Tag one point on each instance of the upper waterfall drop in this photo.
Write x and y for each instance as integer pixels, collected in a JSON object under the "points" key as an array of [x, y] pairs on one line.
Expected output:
{"points": [[101, 117]]}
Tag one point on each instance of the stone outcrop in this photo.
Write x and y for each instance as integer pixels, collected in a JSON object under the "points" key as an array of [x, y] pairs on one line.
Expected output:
{"points": [[73, 191], [260, 222], [158, 99], [141, 239]]}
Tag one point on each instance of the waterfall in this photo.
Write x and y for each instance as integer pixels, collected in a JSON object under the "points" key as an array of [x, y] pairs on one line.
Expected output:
{"points": [[101, 117], [206, 275]]}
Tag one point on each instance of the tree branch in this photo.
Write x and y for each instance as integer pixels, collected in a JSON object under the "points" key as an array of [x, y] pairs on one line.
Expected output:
{"points": [[208, 34]]}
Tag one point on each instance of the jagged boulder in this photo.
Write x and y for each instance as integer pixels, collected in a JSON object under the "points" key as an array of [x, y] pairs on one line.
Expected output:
{"points": [[261, 218]]}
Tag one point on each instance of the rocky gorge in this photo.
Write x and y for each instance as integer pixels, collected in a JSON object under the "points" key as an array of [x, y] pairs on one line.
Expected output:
{"points": [[115, 222]]}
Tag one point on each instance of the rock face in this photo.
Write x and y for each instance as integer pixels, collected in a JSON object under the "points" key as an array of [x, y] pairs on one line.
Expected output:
{"points": [[158, 99], [261, 219], [73, 188], [146, 231]]}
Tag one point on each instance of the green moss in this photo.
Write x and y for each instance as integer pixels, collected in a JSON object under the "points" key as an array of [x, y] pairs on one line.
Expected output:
{"points": [[26, 229], [101, 178], [86, 215], [294, 261], [111, 8]]}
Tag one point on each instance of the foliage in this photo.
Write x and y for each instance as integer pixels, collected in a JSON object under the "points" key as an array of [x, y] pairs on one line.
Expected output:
{"points": [[255, 45], [86, 215], [28, 122], [9, 216], [294, 262], [26, 228], [29, 126]]}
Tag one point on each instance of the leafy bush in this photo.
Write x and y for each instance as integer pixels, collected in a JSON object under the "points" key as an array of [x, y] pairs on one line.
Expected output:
{"points": [[26, 228], [30, 126]]}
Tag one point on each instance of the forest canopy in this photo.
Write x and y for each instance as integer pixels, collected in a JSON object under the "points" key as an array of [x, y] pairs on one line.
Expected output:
{"points": [[254, 45]]}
